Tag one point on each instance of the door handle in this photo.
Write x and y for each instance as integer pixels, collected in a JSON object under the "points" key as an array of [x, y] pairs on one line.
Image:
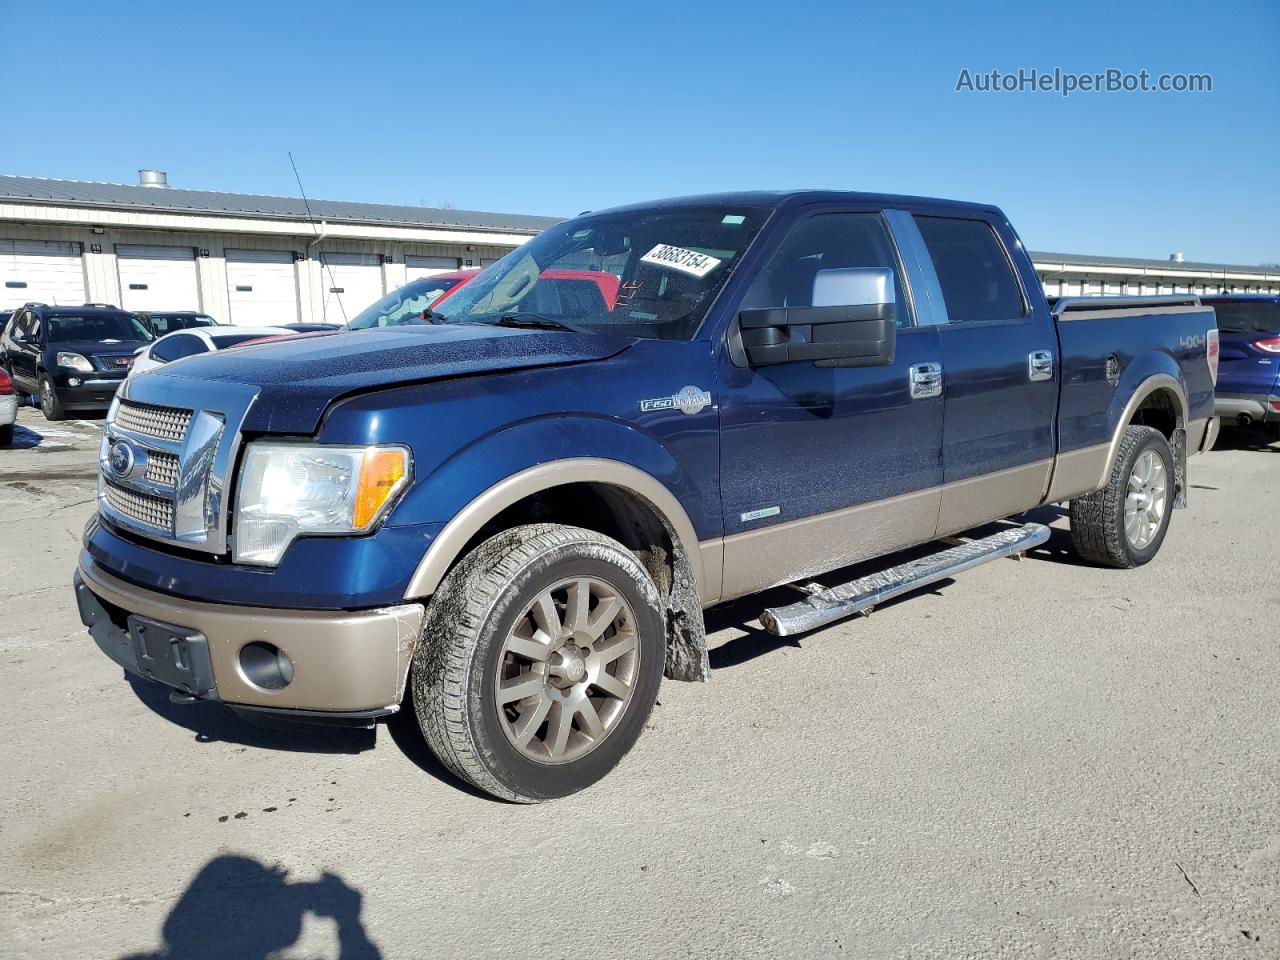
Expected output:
{"points": [[1040, 365], [926, 380]]}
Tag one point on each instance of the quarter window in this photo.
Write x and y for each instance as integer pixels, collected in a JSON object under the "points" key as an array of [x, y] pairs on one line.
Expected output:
{"points": [[977, 280]]}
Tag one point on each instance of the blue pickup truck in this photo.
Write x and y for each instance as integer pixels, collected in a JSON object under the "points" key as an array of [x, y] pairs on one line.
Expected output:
{"points": [[510, 519]]}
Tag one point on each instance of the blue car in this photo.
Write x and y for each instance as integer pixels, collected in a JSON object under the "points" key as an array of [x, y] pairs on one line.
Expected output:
{"points": [[1249, 368]]}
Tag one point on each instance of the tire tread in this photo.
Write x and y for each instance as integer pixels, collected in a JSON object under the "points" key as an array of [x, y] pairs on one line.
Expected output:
{"points": [[1097, 519]]}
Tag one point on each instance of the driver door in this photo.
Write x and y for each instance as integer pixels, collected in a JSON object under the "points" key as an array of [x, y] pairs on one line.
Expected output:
{"points": [[823, 466]]}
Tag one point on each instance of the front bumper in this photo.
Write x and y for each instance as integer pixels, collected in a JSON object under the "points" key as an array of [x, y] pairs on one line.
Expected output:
{"points": [[1236, 408], [92, 390], [8, 409], [343, 662]]}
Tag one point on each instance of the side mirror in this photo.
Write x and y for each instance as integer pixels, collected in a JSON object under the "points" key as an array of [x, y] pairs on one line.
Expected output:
{"points": [[851, 324], [140, 351]]}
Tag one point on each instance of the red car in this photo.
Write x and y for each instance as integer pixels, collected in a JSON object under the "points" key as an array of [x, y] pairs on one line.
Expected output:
{"points": [[406, 304]]}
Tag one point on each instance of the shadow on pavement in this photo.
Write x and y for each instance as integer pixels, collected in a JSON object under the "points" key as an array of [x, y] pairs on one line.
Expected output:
{"points": [[1256, 439], [236, 907], [407, 735], [216, 723], [24, 438]]}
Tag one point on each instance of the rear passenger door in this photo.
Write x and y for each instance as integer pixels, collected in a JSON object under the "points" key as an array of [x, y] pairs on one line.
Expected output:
{"points": [[1000, 370], [24, 353]]}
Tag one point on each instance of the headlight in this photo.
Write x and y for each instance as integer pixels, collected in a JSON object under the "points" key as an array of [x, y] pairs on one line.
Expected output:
{"points": [[75, 361], [291, 489]]}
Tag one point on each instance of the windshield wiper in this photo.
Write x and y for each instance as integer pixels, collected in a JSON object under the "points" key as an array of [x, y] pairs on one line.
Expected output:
{"points": [[532, 321]]}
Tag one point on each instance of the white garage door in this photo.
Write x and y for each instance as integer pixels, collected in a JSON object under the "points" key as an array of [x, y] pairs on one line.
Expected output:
{"points": [[41, 271], [351, 282], [262, 287], [416, 268], [157, 278]]}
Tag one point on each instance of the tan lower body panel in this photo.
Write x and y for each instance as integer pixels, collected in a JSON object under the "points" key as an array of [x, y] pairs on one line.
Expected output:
{"points": [[784, 552], [342, 661], [1079, 472], [978, 500]]}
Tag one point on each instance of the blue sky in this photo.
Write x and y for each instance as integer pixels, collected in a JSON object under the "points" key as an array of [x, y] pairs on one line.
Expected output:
{"points": [[557, 107]]}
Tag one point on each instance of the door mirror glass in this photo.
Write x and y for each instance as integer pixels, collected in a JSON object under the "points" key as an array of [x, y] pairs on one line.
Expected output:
{"points": [[853, 287]]}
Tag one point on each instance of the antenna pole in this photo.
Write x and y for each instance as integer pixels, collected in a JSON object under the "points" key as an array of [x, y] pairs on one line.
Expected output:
{"points": [[324, 303]]}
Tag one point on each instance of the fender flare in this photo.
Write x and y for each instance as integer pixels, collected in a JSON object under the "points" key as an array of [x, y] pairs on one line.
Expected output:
{"points": [[1156, 381], [468, 521]]}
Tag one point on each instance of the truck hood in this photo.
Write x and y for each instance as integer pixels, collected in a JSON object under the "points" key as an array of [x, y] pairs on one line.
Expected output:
{"points": [[299, 379]]}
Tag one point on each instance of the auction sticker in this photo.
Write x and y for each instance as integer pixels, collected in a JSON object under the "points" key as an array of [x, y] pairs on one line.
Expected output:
{"points": [[678, 258]]}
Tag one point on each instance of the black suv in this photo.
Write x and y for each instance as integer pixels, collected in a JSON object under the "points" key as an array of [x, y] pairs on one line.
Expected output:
{"points": [[74, 358]]}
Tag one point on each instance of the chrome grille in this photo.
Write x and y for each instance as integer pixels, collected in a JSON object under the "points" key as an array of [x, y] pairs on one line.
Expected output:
{"points": [[163, 423], [140, 507], [162, 468]]}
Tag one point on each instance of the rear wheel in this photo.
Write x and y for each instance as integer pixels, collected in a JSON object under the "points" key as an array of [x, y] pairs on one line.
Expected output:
{"points": [[540, 661], [49, 402], [6, 435], [1124, 523]]}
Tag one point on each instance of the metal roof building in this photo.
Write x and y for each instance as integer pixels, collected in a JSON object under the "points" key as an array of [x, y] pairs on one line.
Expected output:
{"points": [[256, 259], [239, 257]]}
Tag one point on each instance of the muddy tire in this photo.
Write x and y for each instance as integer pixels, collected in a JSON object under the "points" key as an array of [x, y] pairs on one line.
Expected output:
{"points": [[1124, 524], [540, 661]]}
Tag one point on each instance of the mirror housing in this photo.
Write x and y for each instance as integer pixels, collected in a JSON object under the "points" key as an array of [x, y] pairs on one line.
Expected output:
{"points": [[852, 323]]}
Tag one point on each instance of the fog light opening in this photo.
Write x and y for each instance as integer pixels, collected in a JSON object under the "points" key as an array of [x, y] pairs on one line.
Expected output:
{"points": [[265, 665]]}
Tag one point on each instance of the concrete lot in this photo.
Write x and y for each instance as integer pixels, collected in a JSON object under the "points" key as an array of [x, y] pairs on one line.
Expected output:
{"points": [[1039, 759]]}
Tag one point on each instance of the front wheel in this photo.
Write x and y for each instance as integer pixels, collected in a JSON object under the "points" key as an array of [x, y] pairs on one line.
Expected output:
{"points": [[50, 405], [1124, 523], [540, 661]]}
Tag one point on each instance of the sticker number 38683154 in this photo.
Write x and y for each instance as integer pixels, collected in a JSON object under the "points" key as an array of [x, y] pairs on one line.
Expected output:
{"points": [[678, 258]]}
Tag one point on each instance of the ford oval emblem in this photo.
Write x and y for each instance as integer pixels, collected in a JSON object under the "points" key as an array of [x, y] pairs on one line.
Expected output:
{"points": [[120, 458]]}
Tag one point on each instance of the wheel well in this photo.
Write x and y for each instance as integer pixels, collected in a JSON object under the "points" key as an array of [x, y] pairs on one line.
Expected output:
{"points": [[1160, 410], [638, 525], [604, 508]]}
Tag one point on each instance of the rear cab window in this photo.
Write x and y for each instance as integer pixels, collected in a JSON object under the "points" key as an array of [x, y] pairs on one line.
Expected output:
{"points": [[973, 269], [177, 347]]}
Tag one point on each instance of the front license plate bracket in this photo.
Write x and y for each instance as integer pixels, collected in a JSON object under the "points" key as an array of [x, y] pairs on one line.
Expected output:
{"points": [[172, 655]]}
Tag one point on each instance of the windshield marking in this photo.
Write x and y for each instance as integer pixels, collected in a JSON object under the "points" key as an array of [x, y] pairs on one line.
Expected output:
{"points": [[680, 258]]}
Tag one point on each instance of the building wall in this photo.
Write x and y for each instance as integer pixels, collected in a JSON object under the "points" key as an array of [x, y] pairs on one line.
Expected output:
{"points": [[99, 232], [102, 275], [1086, 280]]}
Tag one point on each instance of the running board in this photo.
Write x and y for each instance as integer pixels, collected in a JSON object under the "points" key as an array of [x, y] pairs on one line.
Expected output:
{"points": [[824, 606]]}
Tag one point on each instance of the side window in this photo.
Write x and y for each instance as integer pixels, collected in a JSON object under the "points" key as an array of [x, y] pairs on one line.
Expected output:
{"points": [[33, 328], [977, 279], [18, 325], [795, 276], [175, 348]]}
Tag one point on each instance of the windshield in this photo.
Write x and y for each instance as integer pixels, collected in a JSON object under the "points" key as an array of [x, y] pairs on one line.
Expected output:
{"points": [[1242, 316], [645, 273], [405, 304], [169, 322], [103, 327]]}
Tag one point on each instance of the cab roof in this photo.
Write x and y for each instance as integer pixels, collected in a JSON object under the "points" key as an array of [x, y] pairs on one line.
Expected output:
{"points": [[779, 199]]}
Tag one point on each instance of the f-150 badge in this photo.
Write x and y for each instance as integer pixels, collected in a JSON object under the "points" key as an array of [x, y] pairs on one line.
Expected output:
{"points": [[689, 400]]}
